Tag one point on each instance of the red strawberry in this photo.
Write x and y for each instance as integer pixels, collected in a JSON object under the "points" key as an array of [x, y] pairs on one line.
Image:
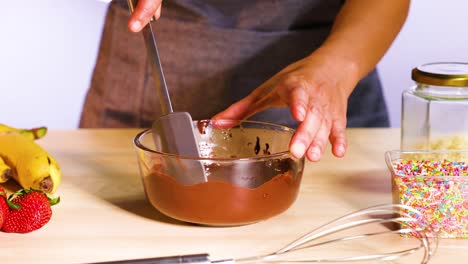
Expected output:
{"points": [[29, 211], [3, 206]]}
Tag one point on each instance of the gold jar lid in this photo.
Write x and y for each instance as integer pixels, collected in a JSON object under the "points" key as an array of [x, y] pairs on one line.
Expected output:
{"points": [[453, 74]]}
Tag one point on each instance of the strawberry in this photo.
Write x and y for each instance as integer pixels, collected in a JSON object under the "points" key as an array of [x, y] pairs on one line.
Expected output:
{"points": [[29, 210], [3, 206]]}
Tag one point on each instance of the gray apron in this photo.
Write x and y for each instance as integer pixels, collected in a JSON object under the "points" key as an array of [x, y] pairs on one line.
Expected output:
{"points": [[213, 52]]}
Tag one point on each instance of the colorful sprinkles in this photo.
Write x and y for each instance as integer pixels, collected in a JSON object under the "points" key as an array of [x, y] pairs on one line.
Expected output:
{"points": [[438, 189]]}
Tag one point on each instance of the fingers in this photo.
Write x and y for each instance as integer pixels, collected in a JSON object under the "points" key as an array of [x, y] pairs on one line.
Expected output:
{"points": [[299, 99], [305, 133], [313, 133], [224, 124], [315, 151], [158, 13], [228, 118], [236, 111], [143, 13], [247, 106], [338, 138]]}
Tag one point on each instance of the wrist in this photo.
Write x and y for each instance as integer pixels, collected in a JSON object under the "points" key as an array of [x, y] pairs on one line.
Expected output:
{"points": [[345, 69]]}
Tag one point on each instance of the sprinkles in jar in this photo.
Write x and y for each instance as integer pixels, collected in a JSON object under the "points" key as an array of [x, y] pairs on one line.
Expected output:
{"points": [[436, 188]]}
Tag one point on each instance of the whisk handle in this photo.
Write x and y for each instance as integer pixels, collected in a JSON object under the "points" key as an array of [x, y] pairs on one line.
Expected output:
{"points": [[182, 259]]}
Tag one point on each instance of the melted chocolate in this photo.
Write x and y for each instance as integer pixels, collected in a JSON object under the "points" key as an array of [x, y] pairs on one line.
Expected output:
{"points": [[222, 203], [257, 146], [202, 125], [266, 151]]}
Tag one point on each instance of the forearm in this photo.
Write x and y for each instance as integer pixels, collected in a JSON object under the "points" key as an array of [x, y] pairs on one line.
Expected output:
{"points": [[364, 30]]}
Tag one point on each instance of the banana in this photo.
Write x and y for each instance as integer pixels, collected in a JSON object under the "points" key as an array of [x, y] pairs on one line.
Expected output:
{"points": [[32, 166], [5, 171], [31, 133]]}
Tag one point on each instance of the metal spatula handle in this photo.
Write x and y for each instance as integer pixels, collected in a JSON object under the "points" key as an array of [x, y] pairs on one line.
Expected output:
{"points": [[153, 54]]}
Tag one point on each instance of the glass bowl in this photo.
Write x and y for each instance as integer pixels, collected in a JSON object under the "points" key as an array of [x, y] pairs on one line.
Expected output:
{"points": [[250, 173], [436, 184]]}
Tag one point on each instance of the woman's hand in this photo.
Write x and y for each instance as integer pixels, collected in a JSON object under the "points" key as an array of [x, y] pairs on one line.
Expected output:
{"points": [[316, 90], [143, 13]]}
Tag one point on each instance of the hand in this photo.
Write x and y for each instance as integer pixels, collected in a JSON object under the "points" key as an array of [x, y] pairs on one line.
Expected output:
{"points": [[316, 90], [142, 14]]}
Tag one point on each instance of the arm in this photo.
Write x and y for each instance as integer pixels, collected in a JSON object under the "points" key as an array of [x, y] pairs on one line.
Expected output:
{"points": [[316, 88], [370, 27]]}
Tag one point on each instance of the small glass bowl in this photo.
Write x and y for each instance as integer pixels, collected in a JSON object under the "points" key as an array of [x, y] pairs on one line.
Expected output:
{"points": [[436, 184], [250, 173]]}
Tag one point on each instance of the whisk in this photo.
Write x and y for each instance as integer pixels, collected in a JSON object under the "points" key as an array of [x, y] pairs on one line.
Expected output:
{"points": [[409, 223]]}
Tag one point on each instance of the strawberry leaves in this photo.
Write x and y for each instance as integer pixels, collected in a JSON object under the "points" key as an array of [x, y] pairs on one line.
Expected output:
{"points": [[52, 200]]}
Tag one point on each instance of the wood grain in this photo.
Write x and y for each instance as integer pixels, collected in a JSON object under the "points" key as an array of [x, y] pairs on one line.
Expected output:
{"points": [[104, 215]]}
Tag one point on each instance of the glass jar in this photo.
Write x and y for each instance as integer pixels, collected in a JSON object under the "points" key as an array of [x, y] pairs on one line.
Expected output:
{"points": [[435, 109]]}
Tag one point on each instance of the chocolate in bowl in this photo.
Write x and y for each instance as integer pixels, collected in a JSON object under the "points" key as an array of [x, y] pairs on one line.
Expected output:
{"points": [[251, 176]]}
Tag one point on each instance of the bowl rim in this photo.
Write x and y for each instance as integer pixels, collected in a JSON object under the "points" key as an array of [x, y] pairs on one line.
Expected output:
{"points": [[137, 143]]}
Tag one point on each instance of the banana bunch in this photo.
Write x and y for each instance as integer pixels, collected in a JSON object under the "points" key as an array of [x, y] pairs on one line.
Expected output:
{"points": [[22, 159], [32, 133]]}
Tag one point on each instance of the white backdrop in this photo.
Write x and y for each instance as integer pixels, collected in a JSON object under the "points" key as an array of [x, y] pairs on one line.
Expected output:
{"points": [[47, 54], [434, 31], [48, 51]]}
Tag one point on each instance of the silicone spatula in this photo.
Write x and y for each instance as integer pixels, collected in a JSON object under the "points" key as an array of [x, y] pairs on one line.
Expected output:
{"points": [[173, 132]]}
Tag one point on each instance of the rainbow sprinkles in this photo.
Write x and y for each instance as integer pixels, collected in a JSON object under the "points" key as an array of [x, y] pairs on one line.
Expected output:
{"points": [[438, 189]]}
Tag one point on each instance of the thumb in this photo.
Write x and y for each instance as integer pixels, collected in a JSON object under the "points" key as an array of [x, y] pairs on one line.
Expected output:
{"points": [[237, 111]]}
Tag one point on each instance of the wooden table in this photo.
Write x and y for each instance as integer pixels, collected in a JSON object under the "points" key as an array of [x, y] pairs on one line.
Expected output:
{"points": [[104, 214]]}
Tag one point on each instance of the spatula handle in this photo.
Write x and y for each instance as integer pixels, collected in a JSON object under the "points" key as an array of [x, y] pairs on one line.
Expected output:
{"points": [[155, 63]]}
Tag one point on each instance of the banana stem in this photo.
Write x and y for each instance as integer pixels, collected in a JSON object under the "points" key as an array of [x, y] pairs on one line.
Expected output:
{"points": [[5, 175]]}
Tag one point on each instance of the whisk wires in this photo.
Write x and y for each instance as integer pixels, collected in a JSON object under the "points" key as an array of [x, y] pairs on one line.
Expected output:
{"points": [[408, 220]]}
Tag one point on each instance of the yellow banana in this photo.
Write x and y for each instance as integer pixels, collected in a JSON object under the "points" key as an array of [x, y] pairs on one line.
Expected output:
{"points": [[31, 133], [32, 166], [5, 171]]}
